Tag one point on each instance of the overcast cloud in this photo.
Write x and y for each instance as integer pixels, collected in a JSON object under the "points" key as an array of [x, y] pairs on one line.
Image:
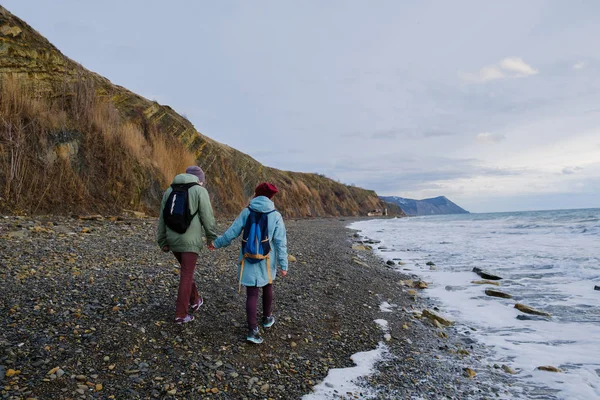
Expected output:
{"points": [[492, 104]]}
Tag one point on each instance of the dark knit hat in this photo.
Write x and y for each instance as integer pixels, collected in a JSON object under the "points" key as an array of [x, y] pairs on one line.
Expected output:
{"points": [[265, 189], [197, 171]]}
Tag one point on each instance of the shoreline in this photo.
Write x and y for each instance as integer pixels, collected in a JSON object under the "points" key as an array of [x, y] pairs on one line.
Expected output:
{"points": [[101, 304]]}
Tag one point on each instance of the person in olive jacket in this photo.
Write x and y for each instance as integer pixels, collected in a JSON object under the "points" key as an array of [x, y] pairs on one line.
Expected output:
{"points": [[186, 246]]}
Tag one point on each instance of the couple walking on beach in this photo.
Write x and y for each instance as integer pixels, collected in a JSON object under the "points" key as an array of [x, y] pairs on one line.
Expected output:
{"points": [[186, 209]]}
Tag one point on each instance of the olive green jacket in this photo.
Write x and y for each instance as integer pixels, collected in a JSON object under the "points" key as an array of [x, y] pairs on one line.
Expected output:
{"points": [[191, 240]]}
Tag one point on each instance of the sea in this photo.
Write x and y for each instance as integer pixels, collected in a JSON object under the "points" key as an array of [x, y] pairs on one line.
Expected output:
{"points": [[548, 260]]}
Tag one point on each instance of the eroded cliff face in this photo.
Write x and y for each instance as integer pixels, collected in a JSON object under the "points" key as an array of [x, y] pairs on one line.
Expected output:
{"points": [[65, 124]]}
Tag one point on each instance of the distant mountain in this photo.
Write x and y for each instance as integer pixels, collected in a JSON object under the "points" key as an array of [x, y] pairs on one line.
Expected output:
{"points": [[433, 206]]}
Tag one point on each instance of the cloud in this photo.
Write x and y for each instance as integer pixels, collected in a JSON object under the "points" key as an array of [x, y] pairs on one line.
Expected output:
{"points": [[488, 137], [518, 66], [580, 65], [485, 74], [509, 67], [571, 170]]}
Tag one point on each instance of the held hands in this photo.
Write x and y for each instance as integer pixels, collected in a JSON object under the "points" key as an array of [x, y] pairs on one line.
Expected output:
{"points": [[211, 246], [165, 248], [282, 272]]}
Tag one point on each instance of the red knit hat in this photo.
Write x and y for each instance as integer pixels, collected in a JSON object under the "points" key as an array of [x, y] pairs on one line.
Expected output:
{"points": [[265, 189]]}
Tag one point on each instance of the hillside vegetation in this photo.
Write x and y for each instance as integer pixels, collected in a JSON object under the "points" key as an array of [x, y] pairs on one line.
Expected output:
{"points": [[71, 141]]}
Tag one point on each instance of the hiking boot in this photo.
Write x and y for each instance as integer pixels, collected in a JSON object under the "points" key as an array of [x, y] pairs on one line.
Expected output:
{"points": [[254, 336], [268, 322], [188, 318], [196, 306]]}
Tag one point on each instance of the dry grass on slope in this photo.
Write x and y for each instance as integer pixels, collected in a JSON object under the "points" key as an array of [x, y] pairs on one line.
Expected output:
{"points": [[74, 151]]}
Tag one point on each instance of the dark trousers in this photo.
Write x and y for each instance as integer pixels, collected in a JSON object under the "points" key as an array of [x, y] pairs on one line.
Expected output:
{"points": [[188, 291], [252, 302]]}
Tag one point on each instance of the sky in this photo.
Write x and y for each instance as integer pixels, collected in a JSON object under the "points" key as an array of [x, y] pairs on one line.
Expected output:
{"points": [[495, 105]]}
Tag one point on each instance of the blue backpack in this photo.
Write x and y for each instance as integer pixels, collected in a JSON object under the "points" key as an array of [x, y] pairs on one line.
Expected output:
{"points": [[255, 237], [177, 213]]}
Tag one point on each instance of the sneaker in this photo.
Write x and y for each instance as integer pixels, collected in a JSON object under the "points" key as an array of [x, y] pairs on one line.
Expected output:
{"points": [[196, 306], [254, 336], [188, 318], [268, 322]]}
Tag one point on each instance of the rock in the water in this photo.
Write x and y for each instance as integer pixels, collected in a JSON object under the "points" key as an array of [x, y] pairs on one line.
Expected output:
{"points": [[390, 262], [530, 310], [596, 287], [524, 317], [421, 285], [497, 293], [486, 275], [549, 368], [486, 282], [436, 317], [508, 369], [430, 263]]}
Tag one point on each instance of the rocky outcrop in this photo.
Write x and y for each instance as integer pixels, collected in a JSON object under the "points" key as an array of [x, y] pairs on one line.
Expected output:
{"points": [[497, 293], [549, 368], [97, 171], [486, 275], [530, 310], [486, 282], [433, 316]]}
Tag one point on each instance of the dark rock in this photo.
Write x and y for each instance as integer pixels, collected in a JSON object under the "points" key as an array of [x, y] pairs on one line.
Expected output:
{"points": [[486, 275], [390, 262], [524, 317], [596, 287], [497, 293]]}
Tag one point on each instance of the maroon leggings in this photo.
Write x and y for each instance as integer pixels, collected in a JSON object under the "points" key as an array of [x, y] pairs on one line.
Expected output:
{"points": [[252, 302], [188, 292]]}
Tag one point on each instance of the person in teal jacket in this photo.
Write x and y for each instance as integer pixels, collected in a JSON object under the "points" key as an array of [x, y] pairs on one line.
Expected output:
{"points": [[258, 275], [186, 246]]}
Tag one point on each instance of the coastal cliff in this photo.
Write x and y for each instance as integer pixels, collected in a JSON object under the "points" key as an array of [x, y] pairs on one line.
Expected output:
{"points": [[72, 141]]}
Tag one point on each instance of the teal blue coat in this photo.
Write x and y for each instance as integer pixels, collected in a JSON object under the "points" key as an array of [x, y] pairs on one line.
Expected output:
{"points": [[256, 274]]}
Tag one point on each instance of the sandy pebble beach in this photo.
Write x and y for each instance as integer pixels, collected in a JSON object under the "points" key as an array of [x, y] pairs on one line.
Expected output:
{"points": [[86, 310]]}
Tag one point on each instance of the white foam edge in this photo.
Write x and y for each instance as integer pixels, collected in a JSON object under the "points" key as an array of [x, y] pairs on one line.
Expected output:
{"points": [[342, 379]]}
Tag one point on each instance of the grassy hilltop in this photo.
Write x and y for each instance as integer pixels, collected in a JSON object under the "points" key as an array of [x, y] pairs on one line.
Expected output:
{"points": [[71, 141]]}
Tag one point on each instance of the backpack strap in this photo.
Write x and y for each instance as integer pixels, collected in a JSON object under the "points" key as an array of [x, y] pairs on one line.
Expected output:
{"points": [[241, 273]]}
